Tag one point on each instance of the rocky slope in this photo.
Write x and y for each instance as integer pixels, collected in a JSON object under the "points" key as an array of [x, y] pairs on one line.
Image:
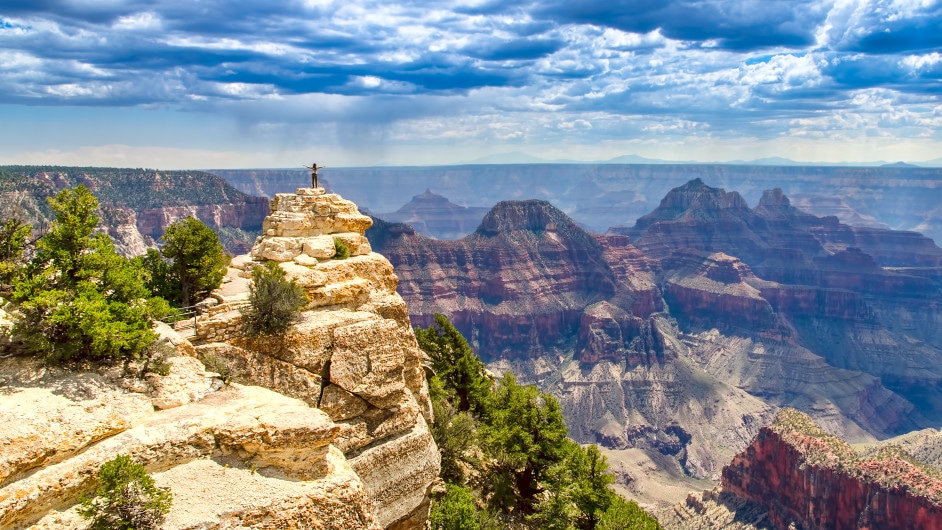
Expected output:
{"points": [[137, 204], [332, 433], [802, 477], [582, 315], [684, 337]]}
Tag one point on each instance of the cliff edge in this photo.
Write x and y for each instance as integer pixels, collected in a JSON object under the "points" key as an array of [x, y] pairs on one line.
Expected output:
{"points": [[794, 475], [322, 427]]}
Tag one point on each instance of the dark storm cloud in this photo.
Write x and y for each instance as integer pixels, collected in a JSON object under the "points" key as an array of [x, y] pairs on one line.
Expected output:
{"points": [[744, 25], [886, 71], [517, 49]]}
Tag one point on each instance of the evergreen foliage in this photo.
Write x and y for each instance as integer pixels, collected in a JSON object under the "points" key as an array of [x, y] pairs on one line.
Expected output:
{"points": [[455, 364], [14, 236], [455, 510], [626, 515], [454, 432], [79, 299], [591, 494], [524, 431], [126, 498], [275, 303], [341, 251], [190, 264], [505, 454]]}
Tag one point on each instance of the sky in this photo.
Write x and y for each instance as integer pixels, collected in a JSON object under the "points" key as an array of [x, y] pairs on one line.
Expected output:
{"points": [[259, 83]]}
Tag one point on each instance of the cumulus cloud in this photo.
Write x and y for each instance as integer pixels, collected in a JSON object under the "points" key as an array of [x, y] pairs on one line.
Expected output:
{"points": [[503, 71]]}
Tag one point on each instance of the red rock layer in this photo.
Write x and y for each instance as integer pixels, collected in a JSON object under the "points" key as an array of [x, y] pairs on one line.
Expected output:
{"points": [[864, 299], [802, 475], [520, 285]]}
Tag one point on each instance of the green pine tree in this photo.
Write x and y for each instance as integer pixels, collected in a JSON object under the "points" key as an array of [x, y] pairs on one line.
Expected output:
{"points": [[78, 298], [525, 433], [190, 264], [275, 302], [454, 362]]}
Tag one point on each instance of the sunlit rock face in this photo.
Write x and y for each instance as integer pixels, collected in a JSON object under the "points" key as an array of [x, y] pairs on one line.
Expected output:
{"points": [[802, 475], [323, 426]]}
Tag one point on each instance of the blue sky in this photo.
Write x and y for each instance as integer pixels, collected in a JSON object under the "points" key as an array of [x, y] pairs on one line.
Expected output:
{"points": [[256, 83]]}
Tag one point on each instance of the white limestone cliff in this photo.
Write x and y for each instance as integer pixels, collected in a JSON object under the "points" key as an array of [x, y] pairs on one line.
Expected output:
{"points": [[325, 426]]}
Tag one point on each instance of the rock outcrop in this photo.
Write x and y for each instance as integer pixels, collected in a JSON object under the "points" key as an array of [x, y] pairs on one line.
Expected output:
{"points": [[240, 457], [805, 477], [331, 431], [353, 353]]}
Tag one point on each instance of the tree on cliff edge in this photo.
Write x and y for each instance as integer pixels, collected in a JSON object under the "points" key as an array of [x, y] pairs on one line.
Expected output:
{"points": [[275, 302], [455, 364], [78, 298], [190, 264]]}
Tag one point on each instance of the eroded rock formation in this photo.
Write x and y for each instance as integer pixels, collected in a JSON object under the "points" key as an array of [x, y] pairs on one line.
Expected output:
{"points": [[324, 426], [862, 299], [353, 353], [685, 333], [803, 476], [580, 314]]}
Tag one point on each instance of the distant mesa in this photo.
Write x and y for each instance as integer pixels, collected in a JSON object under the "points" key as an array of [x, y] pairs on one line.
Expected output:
{"points": [[433, 215]]}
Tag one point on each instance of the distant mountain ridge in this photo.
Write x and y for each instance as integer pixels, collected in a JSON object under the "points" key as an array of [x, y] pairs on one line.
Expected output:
{"points": [[599, 196], [435, 216], [137, 204]]}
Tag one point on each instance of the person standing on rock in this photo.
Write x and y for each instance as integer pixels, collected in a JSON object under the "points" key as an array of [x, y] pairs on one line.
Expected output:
{"points": [[314, 167]]}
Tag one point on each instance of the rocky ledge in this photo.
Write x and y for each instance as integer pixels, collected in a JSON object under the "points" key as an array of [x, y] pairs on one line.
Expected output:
{"points": [[322, 427]]}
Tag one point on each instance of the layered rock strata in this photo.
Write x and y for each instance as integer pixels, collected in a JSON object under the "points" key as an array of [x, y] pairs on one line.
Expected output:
{"points": [[332, 433], [807, 478], [240, 456], [352, 354], [683, 335], [580, 314], [861, 299]]}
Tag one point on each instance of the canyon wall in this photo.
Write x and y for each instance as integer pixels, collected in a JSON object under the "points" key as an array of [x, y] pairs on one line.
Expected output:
{"points": [[581, 315], [136, 205], [804, 476], [685, 333]]}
